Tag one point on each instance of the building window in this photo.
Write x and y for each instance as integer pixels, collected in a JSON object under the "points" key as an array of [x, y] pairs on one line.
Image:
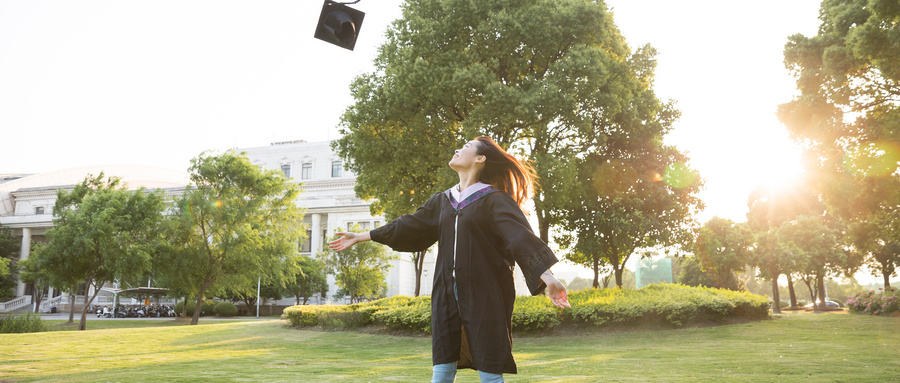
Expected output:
{"points": [[364, 226], [377, 224], [286, 169], [304, 247], [336, 167], [306, 171], [39, 210]]}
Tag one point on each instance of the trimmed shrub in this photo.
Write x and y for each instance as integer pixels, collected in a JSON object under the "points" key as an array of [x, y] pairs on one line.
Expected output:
{"points": [[663, 305], [875, 303], [412, 315], [660, 305], [225, 309], [179, 308], [532, 314], [207, 307], [29, 322]]}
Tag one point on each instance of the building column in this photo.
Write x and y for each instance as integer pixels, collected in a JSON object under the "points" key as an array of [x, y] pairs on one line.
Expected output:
{"points": [[23, 255], [315, 243]]}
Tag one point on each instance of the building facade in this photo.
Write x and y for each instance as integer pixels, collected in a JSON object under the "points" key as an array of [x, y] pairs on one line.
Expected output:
{"points": [[330, 203]]}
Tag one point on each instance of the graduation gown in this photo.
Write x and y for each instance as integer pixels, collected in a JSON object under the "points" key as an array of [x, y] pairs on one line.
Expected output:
{"points": [[487, 234]]}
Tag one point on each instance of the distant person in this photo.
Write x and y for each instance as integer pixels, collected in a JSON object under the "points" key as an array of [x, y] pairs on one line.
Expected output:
{"points": [[481, 233]]}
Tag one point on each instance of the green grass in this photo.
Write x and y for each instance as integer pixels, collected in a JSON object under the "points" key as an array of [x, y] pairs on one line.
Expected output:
{"points": [[795, 347]]}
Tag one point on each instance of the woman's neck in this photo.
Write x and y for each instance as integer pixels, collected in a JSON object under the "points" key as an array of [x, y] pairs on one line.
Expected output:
{"points": [[466, 179]]}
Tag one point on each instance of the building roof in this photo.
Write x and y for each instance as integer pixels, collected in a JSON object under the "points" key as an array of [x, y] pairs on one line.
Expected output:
{"points": [[134, 176]]}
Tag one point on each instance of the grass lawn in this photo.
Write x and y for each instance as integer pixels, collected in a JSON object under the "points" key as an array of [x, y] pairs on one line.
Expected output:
{"points": [[794, 347]]}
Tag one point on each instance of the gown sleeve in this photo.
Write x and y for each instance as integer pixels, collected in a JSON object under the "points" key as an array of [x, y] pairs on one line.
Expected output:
{"points": [[528, 250], [412, 232]]}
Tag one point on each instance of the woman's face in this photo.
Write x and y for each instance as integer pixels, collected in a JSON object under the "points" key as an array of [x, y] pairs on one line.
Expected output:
{"points": [[466, 157]]}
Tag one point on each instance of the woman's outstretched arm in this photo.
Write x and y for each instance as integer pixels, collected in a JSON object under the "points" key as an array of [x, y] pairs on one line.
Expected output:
{"points": [[348, 239]]}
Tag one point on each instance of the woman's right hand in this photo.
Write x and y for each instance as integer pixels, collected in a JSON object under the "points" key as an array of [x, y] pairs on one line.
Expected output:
{"points": [[347, 239]]}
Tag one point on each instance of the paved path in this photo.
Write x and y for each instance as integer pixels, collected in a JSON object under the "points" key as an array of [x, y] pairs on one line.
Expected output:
{"points": [[65, 316]]}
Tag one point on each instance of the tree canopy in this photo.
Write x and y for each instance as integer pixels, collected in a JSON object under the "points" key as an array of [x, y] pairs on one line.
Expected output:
{"points": [[102, 232], [234, 224], [546, 79], [847, 113]]}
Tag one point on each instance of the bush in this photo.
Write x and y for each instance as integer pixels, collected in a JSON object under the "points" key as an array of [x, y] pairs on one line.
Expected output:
{"points": [[207, 307], [413, 314], [532, 314], [179, 308], [660, 305], [29, 322], [663, 305], [875, 303], [225, 309]]}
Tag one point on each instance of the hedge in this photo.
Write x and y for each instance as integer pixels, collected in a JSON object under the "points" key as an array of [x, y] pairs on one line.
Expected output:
{"points": [[225, 309], [660, 305]]}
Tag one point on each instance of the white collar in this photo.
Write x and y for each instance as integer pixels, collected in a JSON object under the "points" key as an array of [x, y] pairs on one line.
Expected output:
{"points": [[469, 190]]}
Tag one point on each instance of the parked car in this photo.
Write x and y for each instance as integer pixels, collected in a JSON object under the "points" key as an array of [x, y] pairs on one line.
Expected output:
{"points": [[828, 304]]}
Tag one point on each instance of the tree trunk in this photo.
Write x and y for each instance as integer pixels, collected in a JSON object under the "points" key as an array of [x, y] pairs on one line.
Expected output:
{"points": [[776, 299], [791, 291], [596, 273], [619, 269], [887, 281], [543, 225], [296, 300], [820, 287], [418, 261], [82, 325], [305, 299], [606, 280], [196, 317], [184, 308], [72, 306]]}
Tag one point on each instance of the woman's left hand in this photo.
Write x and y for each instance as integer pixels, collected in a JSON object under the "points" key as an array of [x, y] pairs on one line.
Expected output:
{"points": [[556, 291]]}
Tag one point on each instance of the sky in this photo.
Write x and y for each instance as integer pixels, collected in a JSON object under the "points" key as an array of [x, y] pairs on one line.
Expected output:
{"points": [[157, 83]]}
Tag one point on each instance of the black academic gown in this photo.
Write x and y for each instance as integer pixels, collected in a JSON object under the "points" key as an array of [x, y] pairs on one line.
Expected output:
{"points": [[490, 234]]}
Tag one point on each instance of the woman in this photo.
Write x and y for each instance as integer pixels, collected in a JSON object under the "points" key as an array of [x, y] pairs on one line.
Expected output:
{"points": [[481, 233]]}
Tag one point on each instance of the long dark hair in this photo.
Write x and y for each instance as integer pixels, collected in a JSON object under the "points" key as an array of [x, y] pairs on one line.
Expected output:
{"points": [[504, 172]]}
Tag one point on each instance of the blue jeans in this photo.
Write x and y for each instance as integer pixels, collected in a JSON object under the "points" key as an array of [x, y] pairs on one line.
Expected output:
{"points": [[446, 373]]}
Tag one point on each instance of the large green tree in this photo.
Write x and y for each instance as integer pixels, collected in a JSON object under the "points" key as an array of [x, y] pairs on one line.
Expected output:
{"points": [[818, 247], [310, 281], [847, 112], [723, 248], [359, 271], [768, 208], [627, 196], [102, 232], [878, 239], [235, 223], [538, 76]]}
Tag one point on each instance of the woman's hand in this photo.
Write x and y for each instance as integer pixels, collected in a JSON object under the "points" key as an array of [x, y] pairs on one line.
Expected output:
{"points": [[347, 240], [555, 290]]}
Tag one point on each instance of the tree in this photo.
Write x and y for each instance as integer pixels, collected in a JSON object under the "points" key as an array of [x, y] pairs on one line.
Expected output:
{"points": [[537, 76], [848, 110], [817, 246], [309, 281], [878, 239], [723, 248], [236, 223], [102, 232], [769, 208], [625, 196], [358, 271], [9, 253]]}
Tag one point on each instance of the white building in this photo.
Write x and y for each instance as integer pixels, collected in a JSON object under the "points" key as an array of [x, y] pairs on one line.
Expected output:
{"points": [[26, 207], [331, 203]]}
